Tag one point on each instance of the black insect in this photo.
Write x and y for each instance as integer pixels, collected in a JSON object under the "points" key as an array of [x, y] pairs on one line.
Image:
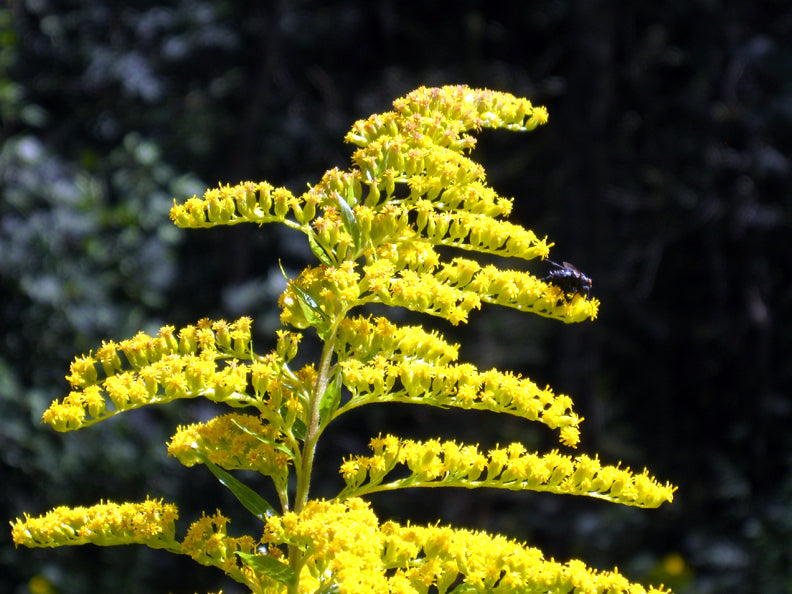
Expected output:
{"points": [[568, 278]]}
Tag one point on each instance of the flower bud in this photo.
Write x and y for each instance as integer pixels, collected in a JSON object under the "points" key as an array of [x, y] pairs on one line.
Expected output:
{"points": [[265, 198], [287, 345]]}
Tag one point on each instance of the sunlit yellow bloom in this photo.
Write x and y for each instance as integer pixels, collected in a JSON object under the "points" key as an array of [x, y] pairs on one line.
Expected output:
{"points": [[436, 463], [461, 386], [343, 546], [208, 543], [222, 441], [245, 202], [158, 369], [151, 523], [360, 338]]}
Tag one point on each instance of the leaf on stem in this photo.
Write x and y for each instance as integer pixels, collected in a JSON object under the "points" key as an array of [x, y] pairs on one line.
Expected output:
{"points": [[318, 250], [348, 217], [252, 501], [270, 442], [314, 314], [331, 398], [277, 570], [299, 430]]}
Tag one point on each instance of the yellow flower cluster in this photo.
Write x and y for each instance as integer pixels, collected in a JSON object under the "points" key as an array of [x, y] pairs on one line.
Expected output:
{"points": [[440, 557], [208, 543], [257, 446], [465, 109], [447, 464], [151, 522], [362, 338], [334, 290], [421, 292], [344, 549], [202, 361], [460, 386], [411, 188], [247, 202], [339, 543]]}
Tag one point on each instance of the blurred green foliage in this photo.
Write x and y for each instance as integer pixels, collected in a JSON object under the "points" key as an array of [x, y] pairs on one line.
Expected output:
{"points": [[664, 174]]}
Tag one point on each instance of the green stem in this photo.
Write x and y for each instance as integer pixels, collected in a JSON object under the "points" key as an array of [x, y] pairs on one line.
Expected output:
{"points": [[313, 429], [312, 433]]}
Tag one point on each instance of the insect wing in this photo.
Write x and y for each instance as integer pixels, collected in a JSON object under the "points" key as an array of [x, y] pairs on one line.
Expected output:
{"points": [[568, 278]]}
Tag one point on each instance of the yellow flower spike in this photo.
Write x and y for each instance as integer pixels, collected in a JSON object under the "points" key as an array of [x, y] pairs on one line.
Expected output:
{"points": [[208, 543], [151, 523], [436, 463], [163, 369], [224, 443], [230, 205]]}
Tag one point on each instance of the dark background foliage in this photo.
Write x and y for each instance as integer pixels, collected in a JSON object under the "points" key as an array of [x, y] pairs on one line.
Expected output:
{"points": [[664, 174]]}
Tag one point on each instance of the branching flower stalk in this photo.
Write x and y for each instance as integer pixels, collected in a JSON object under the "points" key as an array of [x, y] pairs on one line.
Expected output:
{"points": [[381, 232]]}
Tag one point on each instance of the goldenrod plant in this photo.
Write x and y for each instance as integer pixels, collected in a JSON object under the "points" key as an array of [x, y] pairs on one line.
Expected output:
{"points": [[381, 233]]}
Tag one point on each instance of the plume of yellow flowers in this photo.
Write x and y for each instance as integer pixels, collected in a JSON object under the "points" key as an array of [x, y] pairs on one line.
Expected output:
{"points": [[381, 233]]}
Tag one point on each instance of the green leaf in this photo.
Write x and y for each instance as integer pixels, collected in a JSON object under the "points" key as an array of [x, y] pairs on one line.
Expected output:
{"points": [[331, 398], [299, 430], [270, 567], [310, 308], [348, 217], [252, 501], [306, 300], [278, 446], [318, 250]]}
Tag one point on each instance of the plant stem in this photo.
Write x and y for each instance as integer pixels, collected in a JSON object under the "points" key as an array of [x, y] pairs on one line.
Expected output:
{"points": [[313, 429]]}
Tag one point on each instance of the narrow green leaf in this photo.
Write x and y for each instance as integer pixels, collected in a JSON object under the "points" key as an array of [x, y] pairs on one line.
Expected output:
{"points": [[283, 272], [252, 501], [348, 217], [310, 308], [313, 313], [318, 250], [299, 430], [270, 567], [331, 398], [278, 446]]}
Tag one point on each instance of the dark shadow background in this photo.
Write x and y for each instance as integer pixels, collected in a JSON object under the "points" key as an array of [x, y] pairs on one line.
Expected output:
{"points": [[664, 173]]}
